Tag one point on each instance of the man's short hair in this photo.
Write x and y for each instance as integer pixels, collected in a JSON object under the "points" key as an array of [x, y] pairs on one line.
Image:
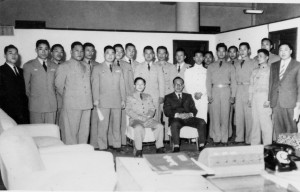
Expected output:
{"points": [[198, 51], [219, 45], [178, 78], [209, 52], [288, 44], [118, 45], [180, 50], [162, 47], [10, 47], [88, 45], [267, 39], [109, 47], [129, 45], [148, 47], [57, 45], [139, 78], [233, 47], [266, 52], [42, 41], [75, 44], [245, 44]]}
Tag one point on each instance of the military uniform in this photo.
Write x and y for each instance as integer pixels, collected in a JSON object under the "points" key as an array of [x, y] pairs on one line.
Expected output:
{"points": [[221, 85], [140, 109], [109, 90], [232, 119], [195, 81], [243, 113], [40, 90], [73, 82], [154, 83], [258, 94], [272, 58], [132, 63]]}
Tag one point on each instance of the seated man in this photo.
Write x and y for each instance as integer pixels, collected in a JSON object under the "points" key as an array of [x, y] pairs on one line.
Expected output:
{"points": [[181, 110], [141, 110]]}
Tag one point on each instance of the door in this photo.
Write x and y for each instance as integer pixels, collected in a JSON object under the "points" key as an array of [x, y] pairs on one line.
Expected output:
{"points": [[190, 47], [287, 36]]}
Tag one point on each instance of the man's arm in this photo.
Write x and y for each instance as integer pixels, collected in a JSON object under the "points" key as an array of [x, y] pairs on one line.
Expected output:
{"points": [[298, 84], [192, 107], [209, 82], [233, 84], [60, 78], [271, 82], [95, 79], [131, 112], [122, 88], [168, 108], [161, 82], [27, 76]]}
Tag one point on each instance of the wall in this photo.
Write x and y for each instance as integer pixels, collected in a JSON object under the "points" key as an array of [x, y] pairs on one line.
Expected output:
{"points": [[227, 17], [277, 12], [111, 15], [25, 40]]}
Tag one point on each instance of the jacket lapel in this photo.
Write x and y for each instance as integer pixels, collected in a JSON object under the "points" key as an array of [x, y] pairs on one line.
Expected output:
{"points": [[10, 71], [288, 69]]}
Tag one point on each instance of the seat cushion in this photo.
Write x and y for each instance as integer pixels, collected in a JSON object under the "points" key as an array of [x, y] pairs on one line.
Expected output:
{"points": [[6, 121], [45, 141], [188, 132]]}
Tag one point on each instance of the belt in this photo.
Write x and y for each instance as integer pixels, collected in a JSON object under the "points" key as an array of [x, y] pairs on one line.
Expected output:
{"points": [[220, 85], [243, 83]]}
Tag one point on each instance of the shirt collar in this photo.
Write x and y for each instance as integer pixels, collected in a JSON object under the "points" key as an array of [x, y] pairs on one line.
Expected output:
{"points": [[127, 59], [41, 61], [12, 66], [287, 61], [180, 64]]}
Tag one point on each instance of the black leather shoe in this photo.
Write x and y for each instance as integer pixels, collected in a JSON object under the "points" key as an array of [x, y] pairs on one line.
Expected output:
{"points": [[139, 153], [118, 150], [176, 150], [224, 144], [160, 150]]}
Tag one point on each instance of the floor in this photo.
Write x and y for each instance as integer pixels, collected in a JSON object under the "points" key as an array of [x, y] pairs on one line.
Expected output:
{"points": [[149, 148]]}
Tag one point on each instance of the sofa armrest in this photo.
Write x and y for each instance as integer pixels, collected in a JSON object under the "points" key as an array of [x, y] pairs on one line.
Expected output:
{"points": [[36, 130], [67, 148]]}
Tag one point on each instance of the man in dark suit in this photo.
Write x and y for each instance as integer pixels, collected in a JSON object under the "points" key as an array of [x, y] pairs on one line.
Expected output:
{"points": [[181, 110], [13, 99], [284, 91]]}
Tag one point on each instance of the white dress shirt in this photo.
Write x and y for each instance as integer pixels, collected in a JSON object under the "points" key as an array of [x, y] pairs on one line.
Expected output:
{"points": [[12, 67]]}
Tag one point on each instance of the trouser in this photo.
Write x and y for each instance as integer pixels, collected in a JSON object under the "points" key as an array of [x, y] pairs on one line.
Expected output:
{"points": [[195, 122], [94, 128], [202, 107], [283, 120], [232, 122], [139, 133], [262, 128], [157, 106], [112, 120], [243, 115], [166, 124], [48, 117], [123, 130], [219, 116], [76, 125]]}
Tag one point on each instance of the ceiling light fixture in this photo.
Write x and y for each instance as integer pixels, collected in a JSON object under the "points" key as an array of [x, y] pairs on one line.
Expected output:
{"points": [[253, 11]]}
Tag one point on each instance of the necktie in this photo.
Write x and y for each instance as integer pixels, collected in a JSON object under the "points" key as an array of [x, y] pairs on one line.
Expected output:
{"points": [[282, 70], [130, 61], [118, 62], [141, 96], [58, 63], [242, 63], [89, 62], [148, 66], [110, 67], [220, 63], [179, 97], [44, 65], [232, 62], [16, 72], [178, 69]]}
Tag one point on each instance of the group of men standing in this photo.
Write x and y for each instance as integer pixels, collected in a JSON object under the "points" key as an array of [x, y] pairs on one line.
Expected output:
{"points": [[72, 93]]}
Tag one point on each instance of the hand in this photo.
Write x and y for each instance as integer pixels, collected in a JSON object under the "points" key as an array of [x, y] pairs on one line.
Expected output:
{"points": [[96, 103], [249, 103], [232, 100], [296, 112], [161, 100], [266, 104], [185, 115], [198, 95], [123, 105], [210, 99]]}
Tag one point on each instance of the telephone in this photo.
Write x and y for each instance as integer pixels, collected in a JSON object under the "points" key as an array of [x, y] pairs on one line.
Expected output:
{"points": [[278, 157]]}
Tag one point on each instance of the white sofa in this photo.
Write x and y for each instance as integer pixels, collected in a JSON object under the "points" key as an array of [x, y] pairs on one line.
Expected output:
{"points": [[27, 168]]}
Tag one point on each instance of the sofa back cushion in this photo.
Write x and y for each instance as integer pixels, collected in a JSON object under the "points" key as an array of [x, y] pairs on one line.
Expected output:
{"points": [[19, 153], [6, 121]]}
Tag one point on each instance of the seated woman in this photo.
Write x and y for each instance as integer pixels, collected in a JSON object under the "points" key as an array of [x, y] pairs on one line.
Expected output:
{"points": [[141, 110]]}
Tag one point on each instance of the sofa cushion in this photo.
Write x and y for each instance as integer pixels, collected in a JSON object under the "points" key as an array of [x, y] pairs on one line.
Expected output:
{"points": [[6, 121], [44, 141]]}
